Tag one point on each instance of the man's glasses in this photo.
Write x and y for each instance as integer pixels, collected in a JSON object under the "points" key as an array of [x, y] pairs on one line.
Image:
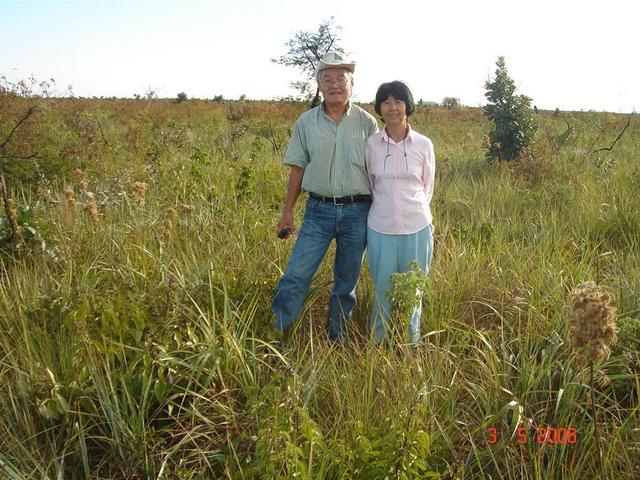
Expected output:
{"points": [[340, 81]]}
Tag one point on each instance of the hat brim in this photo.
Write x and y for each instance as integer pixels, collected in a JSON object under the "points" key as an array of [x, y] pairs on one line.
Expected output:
{"points": [[351, 66]]}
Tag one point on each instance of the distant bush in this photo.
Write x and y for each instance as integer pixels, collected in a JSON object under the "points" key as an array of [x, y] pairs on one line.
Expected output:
{"points": [[451, 103], [218, 98], [511, 115], [181, 97]]}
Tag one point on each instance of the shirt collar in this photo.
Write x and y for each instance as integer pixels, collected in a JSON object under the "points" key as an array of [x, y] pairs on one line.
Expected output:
{"points": [[385, 138], [347, 109]]}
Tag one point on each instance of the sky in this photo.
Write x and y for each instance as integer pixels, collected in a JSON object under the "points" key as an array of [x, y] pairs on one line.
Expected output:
{"points": [[567, 54]]}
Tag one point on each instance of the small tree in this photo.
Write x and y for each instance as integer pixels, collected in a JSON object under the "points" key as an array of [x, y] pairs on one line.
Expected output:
{"points": [[511, 115], [181, 97], [451, 103], [305, 49]]}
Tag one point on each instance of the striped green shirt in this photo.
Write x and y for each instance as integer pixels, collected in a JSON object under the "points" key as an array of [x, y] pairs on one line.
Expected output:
{"points": [[332, 155]]}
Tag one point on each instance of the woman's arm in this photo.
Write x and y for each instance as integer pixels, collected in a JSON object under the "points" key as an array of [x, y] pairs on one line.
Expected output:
{"points": [[429, 169]]}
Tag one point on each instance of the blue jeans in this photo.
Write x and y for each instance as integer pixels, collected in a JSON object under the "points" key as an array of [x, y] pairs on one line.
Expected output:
{"points": [[322, 223]]}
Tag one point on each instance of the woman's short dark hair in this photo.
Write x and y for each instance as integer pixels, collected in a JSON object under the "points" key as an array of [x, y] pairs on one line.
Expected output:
{"points": [[399, 91]]}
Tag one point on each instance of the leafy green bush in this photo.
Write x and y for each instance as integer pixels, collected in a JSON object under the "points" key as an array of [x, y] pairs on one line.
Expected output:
{"points": [[406, 293], [511, 115]]}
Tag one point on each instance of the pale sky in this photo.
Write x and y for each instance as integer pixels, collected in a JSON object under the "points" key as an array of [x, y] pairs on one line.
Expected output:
{"points": [[571, 54]]}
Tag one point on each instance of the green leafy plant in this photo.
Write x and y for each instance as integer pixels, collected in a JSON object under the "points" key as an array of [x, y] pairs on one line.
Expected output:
{"points": [[406, 293], [514, 126]]}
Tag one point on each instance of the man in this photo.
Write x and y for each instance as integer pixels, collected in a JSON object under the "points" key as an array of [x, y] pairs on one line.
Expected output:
{"points": [[326, 155]]}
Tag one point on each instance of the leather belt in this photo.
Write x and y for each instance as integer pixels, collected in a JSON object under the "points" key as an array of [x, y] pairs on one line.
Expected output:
{"points": [[341, 200]]}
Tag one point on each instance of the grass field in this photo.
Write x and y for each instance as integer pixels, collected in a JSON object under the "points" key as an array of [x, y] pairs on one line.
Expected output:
{"points": [[135, 311]]}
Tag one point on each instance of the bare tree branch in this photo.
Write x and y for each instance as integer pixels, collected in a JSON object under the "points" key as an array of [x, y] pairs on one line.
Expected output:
{"points": [[17, 157], [8, 202], [272, 139], [28, 113], [104, 139], [618, 138]]}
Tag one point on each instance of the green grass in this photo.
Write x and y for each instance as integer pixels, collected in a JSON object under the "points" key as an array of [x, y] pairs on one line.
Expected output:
{"points": [[129, 354]]}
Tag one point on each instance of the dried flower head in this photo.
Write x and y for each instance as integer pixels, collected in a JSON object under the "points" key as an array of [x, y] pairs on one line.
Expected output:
{"points": [[187, 208], [13, 216], [139, 191], [70, 196], [91, 207], [592, 326], [81, 178], [165, 231]]}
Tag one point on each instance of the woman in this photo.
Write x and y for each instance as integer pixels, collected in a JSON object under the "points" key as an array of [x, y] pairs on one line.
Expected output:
{"points": [[401, 166]]}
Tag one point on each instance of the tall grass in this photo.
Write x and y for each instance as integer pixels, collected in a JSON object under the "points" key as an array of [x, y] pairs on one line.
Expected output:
{"points": [[139, 345]]}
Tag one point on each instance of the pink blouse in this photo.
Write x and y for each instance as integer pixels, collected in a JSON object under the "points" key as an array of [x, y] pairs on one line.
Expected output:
{"points": [[402, 177]]}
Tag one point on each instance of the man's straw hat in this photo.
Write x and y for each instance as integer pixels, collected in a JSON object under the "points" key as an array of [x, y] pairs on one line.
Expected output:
{"points": [[334, 60]]}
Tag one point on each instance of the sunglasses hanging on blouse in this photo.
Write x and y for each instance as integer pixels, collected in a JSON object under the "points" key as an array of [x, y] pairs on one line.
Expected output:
{"points": [[406, 162]]}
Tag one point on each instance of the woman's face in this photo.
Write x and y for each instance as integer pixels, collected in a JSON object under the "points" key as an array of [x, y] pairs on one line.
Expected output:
{"points": [[393, 111]]}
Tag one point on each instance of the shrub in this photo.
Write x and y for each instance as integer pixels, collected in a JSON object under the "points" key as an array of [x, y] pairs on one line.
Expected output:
{"points": [[514, 126], [451, 103]]}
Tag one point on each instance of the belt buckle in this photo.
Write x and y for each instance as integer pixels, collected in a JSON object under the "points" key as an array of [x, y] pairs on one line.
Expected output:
{"points": [[336, 202]]}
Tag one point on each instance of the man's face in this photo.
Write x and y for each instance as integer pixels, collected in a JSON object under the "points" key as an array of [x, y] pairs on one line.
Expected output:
{"points": [[336, 86]]}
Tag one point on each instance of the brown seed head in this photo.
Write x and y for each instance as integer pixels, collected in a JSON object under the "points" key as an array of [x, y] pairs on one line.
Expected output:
{"points": [[165, 231], [139, 190], [70, 196], [13, 216], [91, 207], [81, 178], [592, 326]]}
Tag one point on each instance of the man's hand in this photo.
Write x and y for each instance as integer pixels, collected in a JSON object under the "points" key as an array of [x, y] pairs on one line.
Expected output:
{"points": [[286, 226]]}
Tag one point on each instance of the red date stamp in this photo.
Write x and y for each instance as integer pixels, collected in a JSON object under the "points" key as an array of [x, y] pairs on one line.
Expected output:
{"points": [[541, 436]]}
